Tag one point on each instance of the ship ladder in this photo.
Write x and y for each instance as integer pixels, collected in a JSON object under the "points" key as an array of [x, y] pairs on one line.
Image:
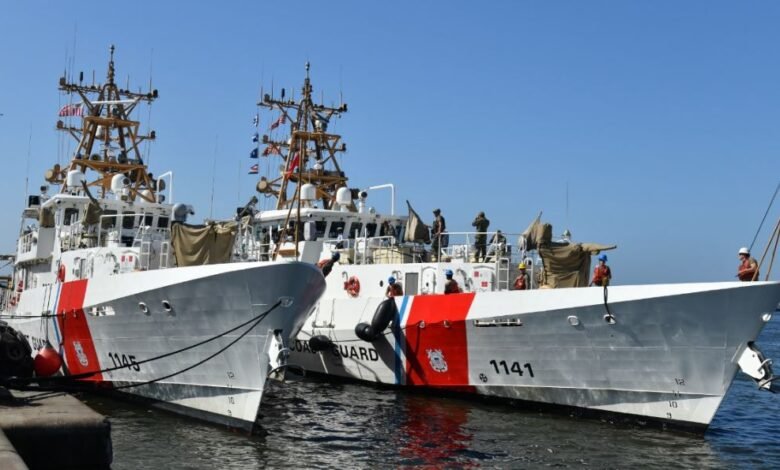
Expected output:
{"points": [[165, 249], [502, 271], [145, 254]]}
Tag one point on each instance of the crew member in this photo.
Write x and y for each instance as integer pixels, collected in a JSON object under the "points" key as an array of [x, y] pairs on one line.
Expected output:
{"points": [[438, 238], [602, 275], [497, 245], [327, 264], [394, 288], [388, 233], [748, 268], [451, 286], [481, 224], [522, 280]]}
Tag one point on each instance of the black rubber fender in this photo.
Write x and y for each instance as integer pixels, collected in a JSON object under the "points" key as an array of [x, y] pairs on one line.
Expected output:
{"points": [[385, 313], [15, 353]]}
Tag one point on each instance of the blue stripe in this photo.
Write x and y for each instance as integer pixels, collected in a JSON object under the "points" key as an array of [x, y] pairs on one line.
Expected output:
{"points": [[398, 337]]}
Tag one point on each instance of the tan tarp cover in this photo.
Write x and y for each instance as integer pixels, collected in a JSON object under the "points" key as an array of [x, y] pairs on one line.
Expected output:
{"points": [[565, 264], [568, 265], [92, 214], [416, 230], [203, 244], [46, 217], [537, 234]]}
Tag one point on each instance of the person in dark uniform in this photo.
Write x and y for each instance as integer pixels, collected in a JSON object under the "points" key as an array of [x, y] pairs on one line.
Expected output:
{"points": [[327, 264], [394, 288], [498, 246], [438, 238], [481, 224], [451, 286]]}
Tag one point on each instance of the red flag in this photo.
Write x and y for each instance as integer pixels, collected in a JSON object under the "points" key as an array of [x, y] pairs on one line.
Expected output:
{"points": [[282, 119], [294, 164], [71, 110]]}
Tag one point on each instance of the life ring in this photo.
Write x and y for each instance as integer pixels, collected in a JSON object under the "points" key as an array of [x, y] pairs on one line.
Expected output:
{"points": [[61, 273], [352, 286]]}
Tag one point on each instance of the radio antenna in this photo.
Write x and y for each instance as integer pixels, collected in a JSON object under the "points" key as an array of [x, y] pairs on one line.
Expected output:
{"points": [[213, 177]]}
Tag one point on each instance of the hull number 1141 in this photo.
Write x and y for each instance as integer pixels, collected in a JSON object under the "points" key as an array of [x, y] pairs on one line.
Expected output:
{"points": [[501, 367]]}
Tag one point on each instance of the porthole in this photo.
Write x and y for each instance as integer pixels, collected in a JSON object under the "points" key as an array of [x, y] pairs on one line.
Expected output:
{"points": [[166, 306], [143, 307]]}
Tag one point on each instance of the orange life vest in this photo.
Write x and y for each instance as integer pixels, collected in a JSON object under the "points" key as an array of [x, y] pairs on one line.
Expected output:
{"points": [[601, 273], [747, 269], [520, 282]]}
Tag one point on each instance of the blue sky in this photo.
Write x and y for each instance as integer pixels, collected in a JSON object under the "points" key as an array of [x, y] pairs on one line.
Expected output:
{"points": [[662, 117]]}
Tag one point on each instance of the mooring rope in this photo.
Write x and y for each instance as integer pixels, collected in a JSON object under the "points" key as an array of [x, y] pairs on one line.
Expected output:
{"points": [[20, 382]]}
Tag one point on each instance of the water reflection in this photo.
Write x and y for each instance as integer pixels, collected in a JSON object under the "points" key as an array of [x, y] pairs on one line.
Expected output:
{"points": [[432, 431]]}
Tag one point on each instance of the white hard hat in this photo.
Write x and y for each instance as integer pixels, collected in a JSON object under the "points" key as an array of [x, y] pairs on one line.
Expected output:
{"points": [[744, 251]]}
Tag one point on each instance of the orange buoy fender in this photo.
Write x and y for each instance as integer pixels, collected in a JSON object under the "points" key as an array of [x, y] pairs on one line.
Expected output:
{"points": [[47, 362], [352, 286]]}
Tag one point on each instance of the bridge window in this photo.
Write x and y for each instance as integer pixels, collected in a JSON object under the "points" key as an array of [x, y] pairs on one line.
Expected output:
{"points": [[356, 229], [128, 221], [71, 216], [334, 229], [108, 219], [319, 227]]}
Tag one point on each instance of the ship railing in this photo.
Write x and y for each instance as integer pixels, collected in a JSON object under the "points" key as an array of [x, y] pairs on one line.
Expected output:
{"points": [[145, 238], [116, 229], [366, 247], [247, 247], [500, 255], [383, 249]]}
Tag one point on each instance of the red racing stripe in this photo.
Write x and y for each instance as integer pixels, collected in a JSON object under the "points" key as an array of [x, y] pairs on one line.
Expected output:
{"points": [[436, 342], [80, 355]]}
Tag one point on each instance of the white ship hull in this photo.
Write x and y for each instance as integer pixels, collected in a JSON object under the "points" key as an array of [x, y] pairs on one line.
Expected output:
{"points": [[102, 323], [670, 356]]}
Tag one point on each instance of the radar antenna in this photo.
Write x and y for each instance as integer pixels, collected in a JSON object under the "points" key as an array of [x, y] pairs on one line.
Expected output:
{"points": [[108, 140], [309, 154]]}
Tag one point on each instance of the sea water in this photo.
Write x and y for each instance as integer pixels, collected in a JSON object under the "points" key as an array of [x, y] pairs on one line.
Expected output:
{"points": [[315, 423]]}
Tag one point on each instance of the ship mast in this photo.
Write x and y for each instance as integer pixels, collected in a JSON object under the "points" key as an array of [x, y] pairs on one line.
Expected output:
{"points": [[108, 140], [309, 154]]}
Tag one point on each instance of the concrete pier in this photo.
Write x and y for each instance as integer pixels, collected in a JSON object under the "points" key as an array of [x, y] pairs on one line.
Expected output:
{"points": [[53, 432]]}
